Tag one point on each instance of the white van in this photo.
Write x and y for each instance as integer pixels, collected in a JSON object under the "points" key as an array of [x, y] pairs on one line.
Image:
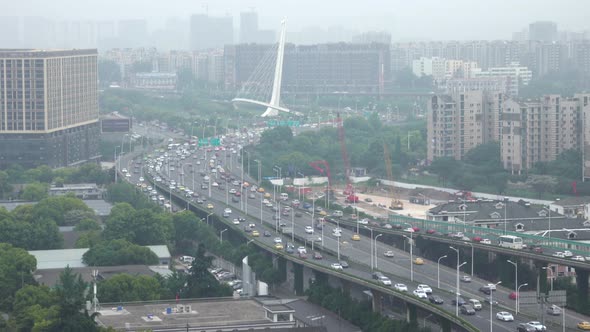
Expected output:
{"points": [[338, 213], [187, 259], [284, 196]]}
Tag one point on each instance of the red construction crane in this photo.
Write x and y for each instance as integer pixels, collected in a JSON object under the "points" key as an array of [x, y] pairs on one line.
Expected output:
{"points": [[323, 167], [349, 191]]}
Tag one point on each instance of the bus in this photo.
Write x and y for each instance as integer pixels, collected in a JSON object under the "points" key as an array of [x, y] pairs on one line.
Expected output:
{"points": [[510, 241]]}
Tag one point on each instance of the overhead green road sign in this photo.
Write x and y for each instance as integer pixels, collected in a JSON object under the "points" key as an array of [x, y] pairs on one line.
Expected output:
{"points": [[288, 123], [213, 141]]}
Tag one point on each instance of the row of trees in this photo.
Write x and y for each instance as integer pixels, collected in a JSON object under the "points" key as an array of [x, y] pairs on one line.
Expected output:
{"points": [[365, 140]]}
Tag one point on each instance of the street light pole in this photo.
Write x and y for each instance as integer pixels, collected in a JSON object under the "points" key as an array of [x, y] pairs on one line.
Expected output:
{"points": [[116, 169], [438, 271], [210, 214], [471, 244], [410, 242], [372, 261], [491, 306], [375, 245], [518, 296], [221, 235], [515, 283], [457, 286]]}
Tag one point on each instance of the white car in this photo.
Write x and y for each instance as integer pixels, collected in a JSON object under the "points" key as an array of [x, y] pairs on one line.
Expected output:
{"points": [[420, 294], [400, 287], [579, 258], [505, 316], [336, 266], [388, 253], [308, 229], [301, 250], [485, 241], [409, 230], [559, 254], [568, 253], [215, 184], [537, 325], [232, 191], [491, 286], [425, 288], [141, 179], [236, 221], [227, 210], [364, 221], [385, 280], [278, 240]]}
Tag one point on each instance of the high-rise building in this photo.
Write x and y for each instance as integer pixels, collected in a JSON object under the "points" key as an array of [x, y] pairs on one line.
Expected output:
{"points": [[208, 32], [48, 107], [528, 131], [248, 27], [435, 67], [543, 31], [369, 37], [317, 68]]}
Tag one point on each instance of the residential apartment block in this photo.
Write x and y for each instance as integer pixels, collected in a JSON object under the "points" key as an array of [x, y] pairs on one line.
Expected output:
{"points": [[48, 107], [528, 131]]}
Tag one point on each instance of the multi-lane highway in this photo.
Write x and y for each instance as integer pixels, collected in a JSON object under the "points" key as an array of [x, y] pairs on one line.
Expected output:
{"points": [[397, 267]]}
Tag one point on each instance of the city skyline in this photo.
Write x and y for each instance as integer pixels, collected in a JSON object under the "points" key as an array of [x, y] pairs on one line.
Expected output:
{"points": [[462, 20]]}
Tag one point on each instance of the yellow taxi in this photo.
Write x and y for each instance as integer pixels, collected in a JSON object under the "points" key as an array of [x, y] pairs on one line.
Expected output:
{"points": [[584, 326], [323, 213], [279, 246], [356, 237], [260, 190], [267, 195], [418, 261], [255, 233], [210, 206]]}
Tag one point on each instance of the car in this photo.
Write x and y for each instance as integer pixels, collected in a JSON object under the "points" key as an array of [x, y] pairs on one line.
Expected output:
{"points": [[252, 196], [364, 221], [236, 221], [344, 264], [485, 241], [419, 294], [559, 254], [232, 191], [308, 229], [554, 310], [475, 304], [436, 299], [505, 316], [355, 237], [279, 246], [384, 280], [578, 258], [301, 249], [430, 231], [251, 225], [485, 289], [376, 275], [260, 190], [317, 255], [513, 295], [210, 206], [425, 288], [298, 214], [255, 233], [491, 302], [418, 261], [467, 310], [303, 255], [290, 249], [491, 286], [388, 253], [537, 325], [400, 287], [368, 200], [465, 279], [568, 254], [525, 327], [235, 199], [247, 229], [267, 195], [458, 301], [584, 325], [336, 266], [278, 240]]}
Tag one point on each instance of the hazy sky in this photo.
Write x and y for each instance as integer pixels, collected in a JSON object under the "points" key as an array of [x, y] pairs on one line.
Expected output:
{"points": [[406, 19]]}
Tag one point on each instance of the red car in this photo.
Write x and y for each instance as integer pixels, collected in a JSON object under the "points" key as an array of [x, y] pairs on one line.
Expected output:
{"points": [[430, 231], [317, 255], [477, 239], [416, 229], [512, 296], [302, 255]]}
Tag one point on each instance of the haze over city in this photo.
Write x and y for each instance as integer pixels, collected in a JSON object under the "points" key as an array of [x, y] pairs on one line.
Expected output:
{"points": [[416, 20]]}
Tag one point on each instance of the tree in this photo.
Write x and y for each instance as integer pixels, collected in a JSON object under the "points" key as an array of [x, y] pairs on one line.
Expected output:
{"points": [[200, 282], [119, 252], [16, 272], [5, 186], [126, 288], [70, 290], [87, 224], [88, 239], [29, 301], [185, 230], [142, 227], [541, 183], [444, 167], [276, 135], [108, 72]]}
